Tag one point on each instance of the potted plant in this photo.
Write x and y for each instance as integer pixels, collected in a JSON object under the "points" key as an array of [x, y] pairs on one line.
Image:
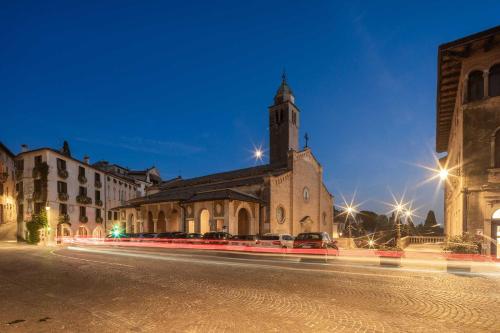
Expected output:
{"points": [[460, 251], [64, 218], [84, 219], [83, 199], [62, 173], [98, 184], [82, 179], [390, 255], [63, 196], [98, 219], [98, 203]]}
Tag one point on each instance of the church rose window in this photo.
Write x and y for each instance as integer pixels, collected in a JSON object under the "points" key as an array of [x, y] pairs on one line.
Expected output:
{"points": [[280, 214]]}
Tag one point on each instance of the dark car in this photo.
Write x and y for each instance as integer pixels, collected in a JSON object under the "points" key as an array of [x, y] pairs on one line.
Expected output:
{"points": [[170, 237], [216, 237], [193, 238], [144, 236], [314, 240]]}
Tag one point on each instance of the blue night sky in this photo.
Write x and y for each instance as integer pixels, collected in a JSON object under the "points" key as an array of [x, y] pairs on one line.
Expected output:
{"points": [[185, 86]]}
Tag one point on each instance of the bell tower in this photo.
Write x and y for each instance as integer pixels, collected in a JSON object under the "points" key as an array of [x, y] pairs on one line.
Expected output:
{"points": [[283, 124]]}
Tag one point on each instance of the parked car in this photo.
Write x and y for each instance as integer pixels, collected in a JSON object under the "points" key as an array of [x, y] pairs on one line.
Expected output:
{"points": [[170, 237], [193, 238], [276, 240], [314, 240], [216, 237], [144, 236], [244, 240]]}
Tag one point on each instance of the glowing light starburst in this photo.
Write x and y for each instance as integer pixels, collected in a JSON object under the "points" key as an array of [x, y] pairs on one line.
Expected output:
{"points": [[349, 209], [258, 154]]}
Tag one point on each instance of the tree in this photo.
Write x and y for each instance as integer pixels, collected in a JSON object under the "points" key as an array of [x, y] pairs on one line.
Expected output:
{"points": [[368, 220], [430, 220], [65, 149]]}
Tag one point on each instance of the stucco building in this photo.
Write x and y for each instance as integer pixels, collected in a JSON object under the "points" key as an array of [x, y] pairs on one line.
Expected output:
{"points": [[8, 207], [468, 129], [80, 199], [285, 196]]}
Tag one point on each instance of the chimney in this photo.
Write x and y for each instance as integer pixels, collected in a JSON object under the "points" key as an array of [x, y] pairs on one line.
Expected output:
{"points": [[86, 159], [24, 148]]}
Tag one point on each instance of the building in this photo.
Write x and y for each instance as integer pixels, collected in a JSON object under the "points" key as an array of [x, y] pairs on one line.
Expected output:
{"points": [[8, 207], [468, 130], [69, 190], [122, 185], [285, 196]]}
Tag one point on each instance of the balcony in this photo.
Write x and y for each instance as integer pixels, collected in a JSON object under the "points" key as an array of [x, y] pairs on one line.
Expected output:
{"points": [[98, 184], [64, 218], [98, 219], [19, 174], [63, 196], [82, 179], [98, 203], [62, 173], [40, 196], [83, 219], [84, 200], [20, 196], [41, 170]]}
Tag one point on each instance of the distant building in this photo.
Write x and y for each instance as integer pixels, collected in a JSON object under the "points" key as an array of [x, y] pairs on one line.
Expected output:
{"points": [[122, 185], [468, 129], [8, 207], [285, 196]]}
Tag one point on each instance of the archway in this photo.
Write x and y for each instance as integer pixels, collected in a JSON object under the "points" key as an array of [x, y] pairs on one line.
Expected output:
{"points": [[161, 224], [83, 232], [204, 221], [243, 222], [98, 232], [173, 221], [151, 223], [306, 224]]}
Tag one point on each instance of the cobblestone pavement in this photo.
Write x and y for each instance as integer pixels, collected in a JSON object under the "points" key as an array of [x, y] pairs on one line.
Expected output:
{"points": [[149, 290]]}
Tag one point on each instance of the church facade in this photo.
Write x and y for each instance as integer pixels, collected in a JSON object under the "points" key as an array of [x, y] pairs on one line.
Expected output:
{"points": [[285, 196]]}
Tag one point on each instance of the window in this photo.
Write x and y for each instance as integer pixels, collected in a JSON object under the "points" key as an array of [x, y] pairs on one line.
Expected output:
{"points": [[81, 171], [20, 165], [475, 86], [38, 160], [62, 187], [20, 213], [494, 81], [97, 212], [306, 194], [294, 118], [38, 207], [61, 164], [97, 195], [38, 185], [19, 187], [115, 215], [280, 214], [82, 191], [1, 188], [109, 215], [83, 211], [63, 209], [97, 177], [497, 149]]}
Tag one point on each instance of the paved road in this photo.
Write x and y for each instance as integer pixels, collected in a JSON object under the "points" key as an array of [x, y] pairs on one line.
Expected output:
{"points": [[111, 289]]}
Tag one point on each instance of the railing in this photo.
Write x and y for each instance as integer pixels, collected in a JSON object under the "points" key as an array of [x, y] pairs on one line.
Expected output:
{"points": [[405, 241]]}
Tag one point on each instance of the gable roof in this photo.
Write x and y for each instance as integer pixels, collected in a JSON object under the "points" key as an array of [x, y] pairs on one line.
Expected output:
{"points": [[7, 150]]}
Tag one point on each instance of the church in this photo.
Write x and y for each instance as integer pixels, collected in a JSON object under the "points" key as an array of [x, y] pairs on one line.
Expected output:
{"points": [[285, 196]]}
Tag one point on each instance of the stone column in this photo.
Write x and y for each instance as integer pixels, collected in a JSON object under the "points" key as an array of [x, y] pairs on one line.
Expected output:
{"points": [[486, 81]]}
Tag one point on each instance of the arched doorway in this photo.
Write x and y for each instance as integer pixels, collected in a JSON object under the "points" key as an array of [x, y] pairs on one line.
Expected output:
{"points": [[495, 233], [243, 222], [98, 232], [204, 221], [63, 230], [161, 224], [173, 221], [306, 224], [151, 223], [83, 232]]}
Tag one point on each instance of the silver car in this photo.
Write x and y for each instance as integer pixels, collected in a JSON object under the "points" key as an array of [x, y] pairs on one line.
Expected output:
{"points": [[276, 240]]}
